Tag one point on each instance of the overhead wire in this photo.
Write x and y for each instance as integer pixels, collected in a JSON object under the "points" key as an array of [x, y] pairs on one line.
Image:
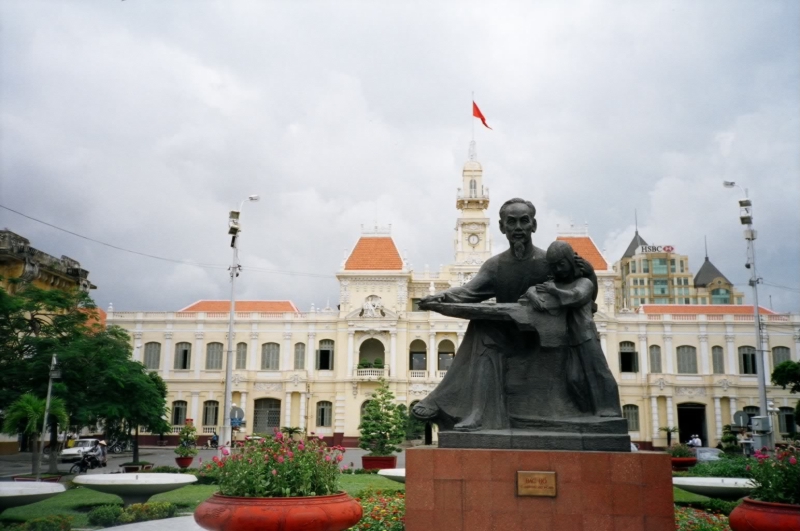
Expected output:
{"points": [[163, 258]]}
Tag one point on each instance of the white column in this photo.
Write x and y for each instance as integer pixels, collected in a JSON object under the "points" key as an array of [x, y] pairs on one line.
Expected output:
{"points": [[668, 355], [303, 411], [670, 416], [311, 355], [167, 356], [199, 354], [796, 356], [433, 355], [286, 363], [604, 343], [733, 366], [460, 238], [654, 414], [351, 335], [704, 357], [393, 354], [287, 410], [717, 419], [252, 358], [733, 408], [137, 346], [644, 359], [195, 408], [459, 339]]}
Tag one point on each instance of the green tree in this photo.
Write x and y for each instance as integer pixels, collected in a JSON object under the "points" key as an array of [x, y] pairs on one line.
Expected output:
{"points": [[383, 424], [26, 415], [787, 374]]}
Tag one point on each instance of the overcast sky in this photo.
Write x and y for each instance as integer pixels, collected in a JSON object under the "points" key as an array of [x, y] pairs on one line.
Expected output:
{"points": [[143, 122]]}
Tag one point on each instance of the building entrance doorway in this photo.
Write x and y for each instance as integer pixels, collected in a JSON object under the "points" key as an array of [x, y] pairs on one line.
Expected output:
{"points": [[266, 415], [692, 421]]}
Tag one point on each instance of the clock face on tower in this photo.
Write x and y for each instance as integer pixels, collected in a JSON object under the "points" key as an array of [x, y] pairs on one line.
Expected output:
{"points": [[473, 239]]}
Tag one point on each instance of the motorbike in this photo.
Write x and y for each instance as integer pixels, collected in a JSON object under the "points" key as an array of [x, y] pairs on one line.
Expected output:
{"points": [[87, 462], [118, 446], [212, 444]]}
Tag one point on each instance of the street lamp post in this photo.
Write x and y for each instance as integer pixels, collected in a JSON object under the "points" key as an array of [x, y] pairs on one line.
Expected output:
{"points": [[234, 228], [55, 372], [746, 218]]}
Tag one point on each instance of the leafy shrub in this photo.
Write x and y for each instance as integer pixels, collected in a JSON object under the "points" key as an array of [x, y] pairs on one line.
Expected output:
{"points": [[47, 523], [680, 450], [383, 424], [717, 506], [777, 476], [688, 519], [105, 515], [383, 511], [166, 470], [359, 470], [732, 467], [187, 445]]}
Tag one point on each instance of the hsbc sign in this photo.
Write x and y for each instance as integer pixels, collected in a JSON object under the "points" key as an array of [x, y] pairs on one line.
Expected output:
{"points": [[645, 249]]}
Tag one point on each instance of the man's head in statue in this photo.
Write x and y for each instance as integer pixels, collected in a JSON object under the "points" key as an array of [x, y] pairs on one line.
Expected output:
{"points": [[518, 222], [561, 259]]}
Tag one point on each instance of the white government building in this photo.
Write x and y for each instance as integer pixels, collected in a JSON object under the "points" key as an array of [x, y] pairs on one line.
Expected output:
{"points": [[680, 345]]}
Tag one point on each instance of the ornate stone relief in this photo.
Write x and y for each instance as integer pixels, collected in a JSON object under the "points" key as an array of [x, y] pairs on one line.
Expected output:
{"points": [[344, 293], [372, 308], [262, 386], [236, 379], [608, 288], [725, 383], [690, 391], [402, 293], [661, 383], [421, 388]]}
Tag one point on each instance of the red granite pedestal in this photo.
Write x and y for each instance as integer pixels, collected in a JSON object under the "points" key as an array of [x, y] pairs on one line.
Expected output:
{"points": [[475, 490]]}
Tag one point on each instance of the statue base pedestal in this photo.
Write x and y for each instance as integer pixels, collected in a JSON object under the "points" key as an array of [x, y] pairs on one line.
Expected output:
{"points": [[477, 490], [594, 434]]}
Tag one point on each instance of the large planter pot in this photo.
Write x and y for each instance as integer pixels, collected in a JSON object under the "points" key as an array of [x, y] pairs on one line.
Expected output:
{"points": [[184, 462], [378, 462], [317, 513], [753, 515], [45, 478], [682, 463]]}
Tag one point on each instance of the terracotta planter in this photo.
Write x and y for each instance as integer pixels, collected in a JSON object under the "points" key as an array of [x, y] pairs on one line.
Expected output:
{"points": [[682, 463], [128, 469], [46, 479], [317, 513], [753, 515], [378, 462], [184, 462]]}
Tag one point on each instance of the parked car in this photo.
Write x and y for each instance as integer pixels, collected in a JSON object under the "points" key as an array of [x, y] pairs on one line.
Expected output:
{"points": [[68, 455]]}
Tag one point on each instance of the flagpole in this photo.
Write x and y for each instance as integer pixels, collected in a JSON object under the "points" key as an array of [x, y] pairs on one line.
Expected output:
{"points": [[473, 117]]}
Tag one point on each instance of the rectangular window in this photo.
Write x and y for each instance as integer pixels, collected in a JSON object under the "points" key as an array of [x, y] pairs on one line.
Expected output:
{"points": [[747, 360], [642, 301], [661, 300], [418, 361], [672, 265], [628, 357], [241, 356], [687, 360], [299, 356], [682, 266], [659, 266], [702, 300], [645, 266], [660, 287], [738, 300], [445, 360], [324, 414], [325, 355], [210, 412], [415, 305], [183, 356], [779, 355], [633, 267], [718, 360], [214, 356], [631, 414], [270, 357], [152, 355], [655, 359]]}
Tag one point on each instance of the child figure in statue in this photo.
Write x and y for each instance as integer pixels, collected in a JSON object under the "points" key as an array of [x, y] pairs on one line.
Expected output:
{"points": [[589, 379]]}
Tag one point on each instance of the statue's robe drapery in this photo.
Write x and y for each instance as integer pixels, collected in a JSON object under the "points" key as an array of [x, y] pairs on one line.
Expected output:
{"points": [[502, 377]]}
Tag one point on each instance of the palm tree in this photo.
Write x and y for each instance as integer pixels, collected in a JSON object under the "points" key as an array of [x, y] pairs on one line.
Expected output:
{"points": [[25, 415]]}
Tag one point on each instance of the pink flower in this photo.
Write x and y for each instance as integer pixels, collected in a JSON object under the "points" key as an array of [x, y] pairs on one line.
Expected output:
{"points": [[345, 467], [339, 458], [274, 472], [793, 460], [328, 458], [279, 436], [301, 447], [321, 437], [290, 454], [280, 459]]}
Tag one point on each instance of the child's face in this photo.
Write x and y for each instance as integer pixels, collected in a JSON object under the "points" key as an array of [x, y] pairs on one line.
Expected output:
{"points": [[561, 269]]}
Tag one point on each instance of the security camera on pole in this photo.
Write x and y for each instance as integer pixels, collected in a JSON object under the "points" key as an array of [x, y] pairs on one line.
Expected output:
{"points": [[762, 425], [234, 228]]}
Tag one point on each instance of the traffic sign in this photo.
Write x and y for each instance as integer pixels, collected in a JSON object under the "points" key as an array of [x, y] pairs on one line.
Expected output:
{"points": [[237, 413]]}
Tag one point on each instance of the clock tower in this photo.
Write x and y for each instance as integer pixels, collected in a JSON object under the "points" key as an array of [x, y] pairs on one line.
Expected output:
{"points": [[473, 242]]}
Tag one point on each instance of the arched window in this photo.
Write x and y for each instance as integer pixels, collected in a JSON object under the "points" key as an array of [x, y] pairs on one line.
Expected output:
{"points": [[325, 355], [631, 414], [214, 356], [473, 188], [687, 360], [655, 359], [786, 420], [241, 356], [628, 357], [266, 415], [720, 296], [747, 360], [152, 355], [417, 356], [299, 356], [371, 354], [324, 414], [183, 356], [179, 412], [447, 351], [751, 411], [210, 412], [718, 360], [270, 357], [364, 407], [779, 355]]}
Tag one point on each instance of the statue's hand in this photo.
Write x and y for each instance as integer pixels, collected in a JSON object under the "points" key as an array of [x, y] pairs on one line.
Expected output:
{"points": [[583, 265], [435, 298], [533, 296], [546, 287]]}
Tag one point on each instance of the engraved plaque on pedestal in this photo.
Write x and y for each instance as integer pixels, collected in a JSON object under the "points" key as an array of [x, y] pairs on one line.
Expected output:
{"points": [[536, 483]]}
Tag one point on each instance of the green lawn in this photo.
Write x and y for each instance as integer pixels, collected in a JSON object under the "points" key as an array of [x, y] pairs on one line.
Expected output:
{"points": [[79, 501], [687, 497]]}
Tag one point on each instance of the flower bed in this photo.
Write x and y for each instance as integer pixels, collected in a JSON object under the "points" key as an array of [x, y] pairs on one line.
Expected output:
{"points": [[383, 511], [688, 519]]}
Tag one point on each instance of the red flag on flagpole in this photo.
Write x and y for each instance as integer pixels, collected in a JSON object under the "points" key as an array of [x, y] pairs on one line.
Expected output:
{"points": [[476, 112]]}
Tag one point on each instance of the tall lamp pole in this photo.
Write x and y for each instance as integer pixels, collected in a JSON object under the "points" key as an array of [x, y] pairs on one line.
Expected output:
{"points": [[746, 218], [234, 228], [55, 372]]}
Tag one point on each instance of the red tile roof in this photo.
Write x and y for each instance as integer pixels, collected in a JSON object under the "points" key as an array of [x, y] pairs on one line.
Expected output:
{"points": [[725, 309], [585, 247], [241, 306], [374, 254]]}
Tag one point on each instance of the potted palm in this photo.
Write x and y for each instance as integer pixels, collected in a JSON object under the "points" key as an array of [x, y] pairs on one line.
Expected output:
{"points": [[682, 457], [187, 446], [25, 415], [669, 430], [280, 482], [382, 429], [774, 503]]}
